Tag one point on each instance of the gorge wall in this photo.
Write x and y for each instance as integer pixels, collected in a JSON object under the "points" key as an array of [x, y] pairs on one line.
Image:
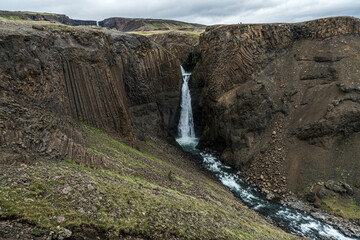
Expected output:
{"points": [[74, 103], [281, 101], [53, 76]]}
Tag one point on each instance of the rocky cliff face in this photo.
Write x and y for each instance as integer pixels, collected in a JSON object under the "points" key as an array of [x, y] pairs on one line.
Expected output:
{"points": [[281, 101], [51, 17], [67, 96], [152, 85], [180, 44], [56, 75]]}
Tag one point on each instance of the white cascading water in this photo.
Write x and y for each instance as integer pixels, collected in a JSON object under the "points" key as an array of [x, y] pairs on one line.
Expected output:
{"points": [[186, 122], [291, 220]]}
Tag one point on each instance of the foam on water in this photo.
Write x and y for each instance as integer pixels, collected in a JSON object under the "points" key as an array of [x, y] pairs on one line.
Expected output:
{"points": [[291, 220], [186, 122]]}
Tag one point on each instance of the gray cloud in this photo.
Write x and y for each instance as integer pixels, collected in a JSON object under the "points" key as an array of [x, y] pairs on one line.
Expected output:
{"points": [[200, 11]]}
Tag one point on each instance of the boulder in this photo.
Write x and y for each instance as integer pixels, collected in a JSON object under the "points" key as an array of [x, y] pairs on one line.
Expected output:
{"points": [[339, 187]]}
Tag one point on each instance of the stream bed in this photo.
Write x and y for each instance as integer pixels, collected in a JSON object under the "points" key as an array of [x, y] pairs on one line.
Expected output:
{"points": [[291, 220]]}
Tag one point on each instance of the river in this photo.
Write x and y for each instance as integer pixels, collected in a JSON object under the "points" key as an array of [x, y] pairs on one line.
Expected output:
{"points": [[291, 220]]}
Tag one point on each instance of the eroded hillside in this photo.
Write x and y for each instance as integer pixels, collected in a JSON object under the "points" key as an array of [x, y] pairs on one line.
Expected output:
{"points": [[74, 103], [281, 103]]}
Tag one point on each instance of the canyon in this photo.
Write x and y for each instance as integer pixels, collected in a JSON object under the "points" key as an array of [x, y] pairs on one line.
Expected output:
{"points": [[280, 102], [94, 111]]}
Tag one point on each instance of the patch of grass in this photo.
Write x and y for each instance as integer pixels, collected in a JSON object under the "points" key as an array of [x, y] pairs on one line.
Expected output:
{"points": [[155, 25], [11, 17], [170, 177], [140, 194], [131, 206], [344, 207], [38, 232]]}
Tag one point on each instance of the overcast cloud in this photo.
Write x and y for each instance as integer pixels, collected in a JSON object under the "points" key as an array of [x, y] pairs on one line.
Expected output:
{"points": [[198, 11]]}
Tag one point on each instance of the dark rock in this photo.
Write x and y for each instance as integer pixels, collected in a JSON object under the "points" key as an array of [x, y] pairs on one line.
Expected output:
{"points": [[339, 187], [323, 193], [270, 196], [357, 183], [37, 27], [317, 204], [252, 79], [180, 45], [348, 188], [335, 186], [310, 197], [50, 80], [273, 197]]}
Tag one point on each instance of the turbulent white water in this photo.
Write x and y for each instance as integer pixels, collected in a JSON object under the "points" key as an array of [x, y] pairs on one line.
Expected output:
{"points": [[291, 220], [186, 122]]}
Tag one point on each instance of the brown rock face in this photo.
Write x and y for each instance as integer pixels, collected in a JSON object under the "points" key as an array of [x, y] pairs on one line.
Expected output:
{"points": [[282, 100], [152, 85], [180, 44], [52, 77]]}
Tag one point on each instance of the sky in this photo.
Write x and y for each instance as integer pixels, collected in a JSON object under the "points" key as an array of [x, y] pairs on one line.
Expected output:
{"points": [[206, 12]]}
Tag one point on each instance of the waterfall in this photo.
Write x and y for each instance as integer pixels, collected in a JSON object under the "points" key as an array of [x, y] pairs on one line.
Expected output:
{"points": [[186, 122], [289, 219]]}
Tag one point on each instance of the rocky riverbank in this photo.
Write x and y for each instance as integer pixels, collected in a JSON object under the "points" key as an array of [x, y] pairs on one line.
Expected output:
{"points": [[350, 228], [85, 115], [86, 111], [280, 103]]}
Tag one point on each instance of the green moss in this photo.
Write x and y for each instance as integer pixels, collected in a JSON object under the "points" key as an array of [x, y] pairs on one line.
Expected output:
{"points": [[11, 17], [206, 130], [342, 206], [155, 25], [39, 188], [38, 232], [170, 177]]}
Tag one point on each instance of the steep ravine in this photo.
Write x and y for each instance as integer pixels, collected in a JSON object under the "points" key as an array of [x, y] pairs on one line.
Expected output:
{"points": [[84, 112], [280, 103], [292, 220]]}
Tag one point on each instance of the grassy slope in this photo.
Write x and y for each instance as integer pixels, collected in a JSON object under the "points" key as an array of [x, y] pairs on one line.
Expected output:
{"points": [[342, 206], [148, 193]]}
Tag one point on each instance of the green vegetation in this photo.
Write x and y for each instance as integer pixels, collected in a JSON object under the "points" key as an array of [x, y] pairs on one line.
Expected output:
{"points": [[344, 207], [10, 17], [170, 176], [147, 193]]}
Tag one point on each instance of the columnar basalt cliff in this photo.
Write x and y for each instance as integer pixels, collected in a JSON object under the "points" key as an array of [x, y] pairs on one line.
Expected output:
{"points": [[55, 75], [74, 102], [281, 101], [180, 44], [152, 85]]}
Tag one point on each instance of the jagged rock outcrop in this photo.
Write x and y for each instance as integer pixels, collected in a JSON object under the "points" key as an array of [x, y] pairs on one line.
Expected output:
{"points": [[152, 85], [53, 77], [180, 44], [280, 101]]}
